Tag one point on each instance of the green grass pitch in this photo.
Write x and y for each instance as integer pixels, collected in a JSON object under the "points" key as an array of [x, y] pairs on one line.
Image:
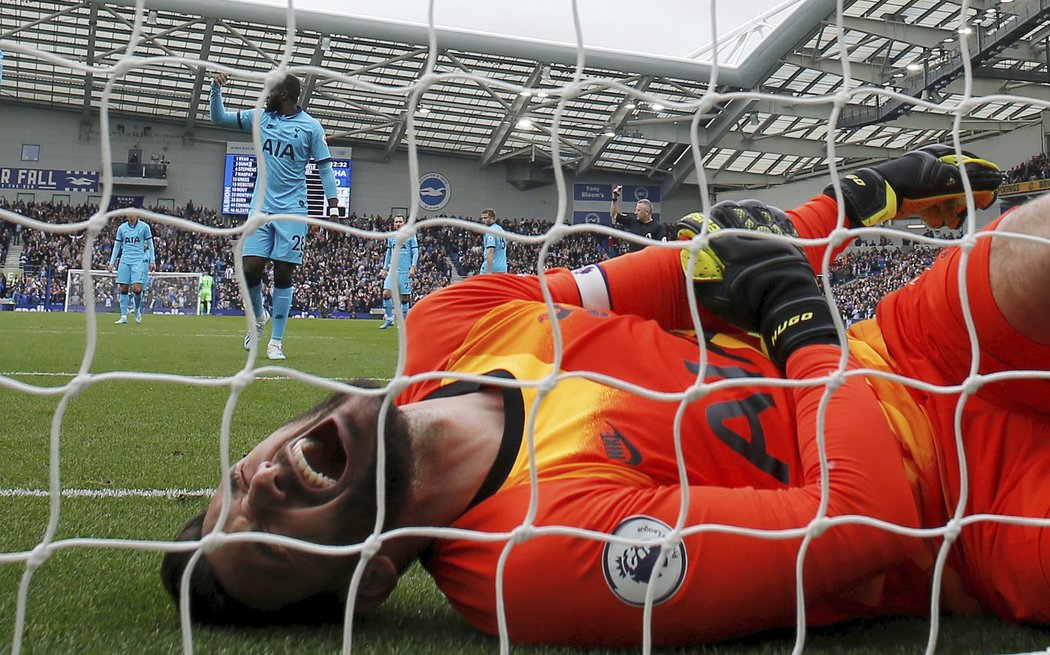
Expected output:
{"points": [[132, 435]]}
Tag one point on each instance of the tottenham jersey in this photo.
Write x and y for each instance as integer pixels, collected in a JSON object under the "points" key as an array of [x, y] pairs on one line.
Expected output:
{"points": [[288, 144], [407, 258], [499, 258], [133, 245]]}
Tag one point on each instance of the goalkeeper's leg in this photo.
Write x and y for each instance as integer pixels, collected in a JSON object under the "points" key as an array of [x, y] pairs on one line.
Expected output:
{"points": [[1008, 463], [1007, 286], [1020, 270], [1008, 469]]}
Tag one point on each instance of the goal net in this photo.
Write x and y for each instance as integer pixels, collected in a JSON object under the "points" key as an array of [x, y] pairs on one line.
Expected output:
{"points": [[561, 115], [165, 293]]}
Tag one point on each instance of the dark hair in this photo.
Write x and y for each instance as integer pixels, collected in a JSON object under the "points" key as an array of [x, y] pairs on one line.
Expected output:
{"points": [[292, 85], [210, 603]]}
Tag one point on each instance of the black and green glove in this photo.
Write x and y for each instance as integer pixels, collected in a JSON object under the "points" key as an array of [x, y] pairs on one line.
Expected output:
{"points": [[924, 183], [756, 283]]}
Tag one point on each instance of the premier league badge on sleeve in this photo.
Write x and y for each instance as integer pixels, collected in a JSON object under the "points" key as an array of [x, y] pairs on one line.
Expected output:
{"points": [[631, 568]]}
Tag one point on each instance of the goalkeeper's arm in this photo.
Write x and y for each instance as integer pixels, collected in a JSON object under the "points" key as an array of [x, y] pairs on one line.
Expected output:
{"points": [[927, 183], [626, 284], [757, 283]]}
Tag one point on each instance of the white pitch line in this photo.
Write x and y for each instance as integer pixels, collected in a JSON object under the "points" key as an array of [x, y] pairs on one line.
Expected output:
{"points": [[107, 493], [62, 374], [103, 328], [199, 335]]}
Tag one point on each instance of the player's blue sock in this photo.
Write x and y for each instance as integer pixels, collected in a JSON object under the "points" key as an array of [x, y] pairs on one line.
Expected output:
{"points": [[138, 302], [255, 295], [123, 304], [404, 309], [282, 304], [388, 308]]}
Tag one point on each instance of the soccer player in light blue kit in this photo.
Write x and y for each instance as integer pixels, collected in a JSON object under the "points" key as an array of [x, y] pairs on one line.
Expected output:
{"points": [[133, 246], [494, 251], [407, 260], [290, 137]]}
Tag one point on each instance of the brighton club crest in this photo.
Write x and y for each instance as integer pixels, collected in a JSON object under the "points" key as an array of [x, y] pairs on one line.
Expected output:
{"points": [[434, 191]]}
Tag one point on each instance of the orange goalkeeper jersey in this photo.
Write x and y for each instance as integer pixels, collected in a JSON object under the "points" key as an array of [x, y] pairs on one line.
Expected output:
{"points": [[593, 420], [623, 511]]}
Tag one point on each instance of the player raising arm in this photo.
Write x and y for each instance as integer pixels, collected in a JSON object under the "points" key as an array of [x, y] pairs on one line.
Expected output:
{"points": [[464, 454], [133, 246], [641, 223], [290, 138]]}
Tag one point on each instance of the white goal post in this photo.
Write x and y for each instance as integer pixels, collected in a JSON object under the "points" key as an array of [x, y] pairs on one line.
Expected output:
{"points": [[165, 293]]}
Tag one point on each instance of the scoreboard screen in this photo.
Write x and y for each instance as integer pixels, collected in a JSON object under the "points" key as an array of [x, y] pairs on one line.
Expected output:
{"points": [[241, 169]]}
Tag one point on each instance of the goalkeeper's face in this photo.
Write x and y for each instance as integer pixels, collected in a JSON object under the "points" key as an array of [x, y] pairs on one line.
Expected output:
{"points": [[312, 479]]}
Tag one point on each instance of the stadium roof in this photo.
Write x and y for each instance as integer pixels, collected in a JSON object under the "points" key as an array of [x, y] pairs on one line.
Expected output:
{"points": [[497, 98]]}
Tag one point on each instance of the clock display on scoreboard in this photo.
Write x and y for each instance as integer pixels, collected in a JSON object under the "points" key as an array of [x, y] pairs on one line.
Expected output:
{"points": [[241, 170]]}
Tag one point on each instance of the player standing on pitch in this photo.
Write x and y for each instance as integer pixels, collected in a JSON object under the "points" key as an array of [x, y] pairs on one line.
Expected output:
{"points": [[407, 260], [494, 247], [290, 138], [133, 246], [204, 294]]}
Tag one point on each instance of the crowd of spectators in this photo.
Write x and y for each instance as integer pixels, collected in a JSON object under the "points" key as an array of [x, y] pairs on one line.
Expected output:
{"points": [[341, 272], [860, 277], [1036, 168], [464, 246]]}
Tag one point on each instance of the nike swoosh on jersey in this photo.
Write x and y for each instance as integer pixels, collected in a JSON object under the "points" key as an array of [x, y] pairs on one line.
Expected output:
{"points": [[619, 448]]}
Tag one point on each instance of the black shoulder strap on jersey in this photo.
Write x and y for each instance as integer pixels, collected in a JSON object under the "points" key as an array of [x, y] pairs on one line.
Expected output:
{"points": [[513, 427]]}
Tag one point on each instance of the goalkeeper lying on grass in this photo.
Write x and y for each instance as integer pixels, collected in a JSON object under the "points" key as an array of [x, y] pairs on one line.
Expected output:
{"points": [[457, 451]]}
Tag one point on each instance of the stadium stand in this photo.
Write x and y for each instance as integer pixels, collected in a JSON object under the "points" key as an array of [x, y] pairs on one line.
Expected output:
{"points": [[343, 272], [1036, 168]]}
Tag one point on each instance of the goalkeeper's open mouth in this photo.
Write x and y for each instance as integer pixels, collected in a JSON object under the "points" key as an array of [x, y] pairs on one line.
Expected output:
{"points": [[318, 457]]}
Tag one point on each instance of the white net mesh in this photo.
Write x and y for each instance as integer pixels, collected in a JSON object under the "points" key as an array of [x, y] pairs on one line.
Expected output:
{"points": [[834, 101]]}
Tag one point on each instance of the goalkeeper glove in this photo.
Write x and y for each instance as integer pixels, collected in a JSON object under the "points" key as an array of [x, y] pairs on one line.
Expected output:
{"points": [[758, 284], [924, 183]]}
